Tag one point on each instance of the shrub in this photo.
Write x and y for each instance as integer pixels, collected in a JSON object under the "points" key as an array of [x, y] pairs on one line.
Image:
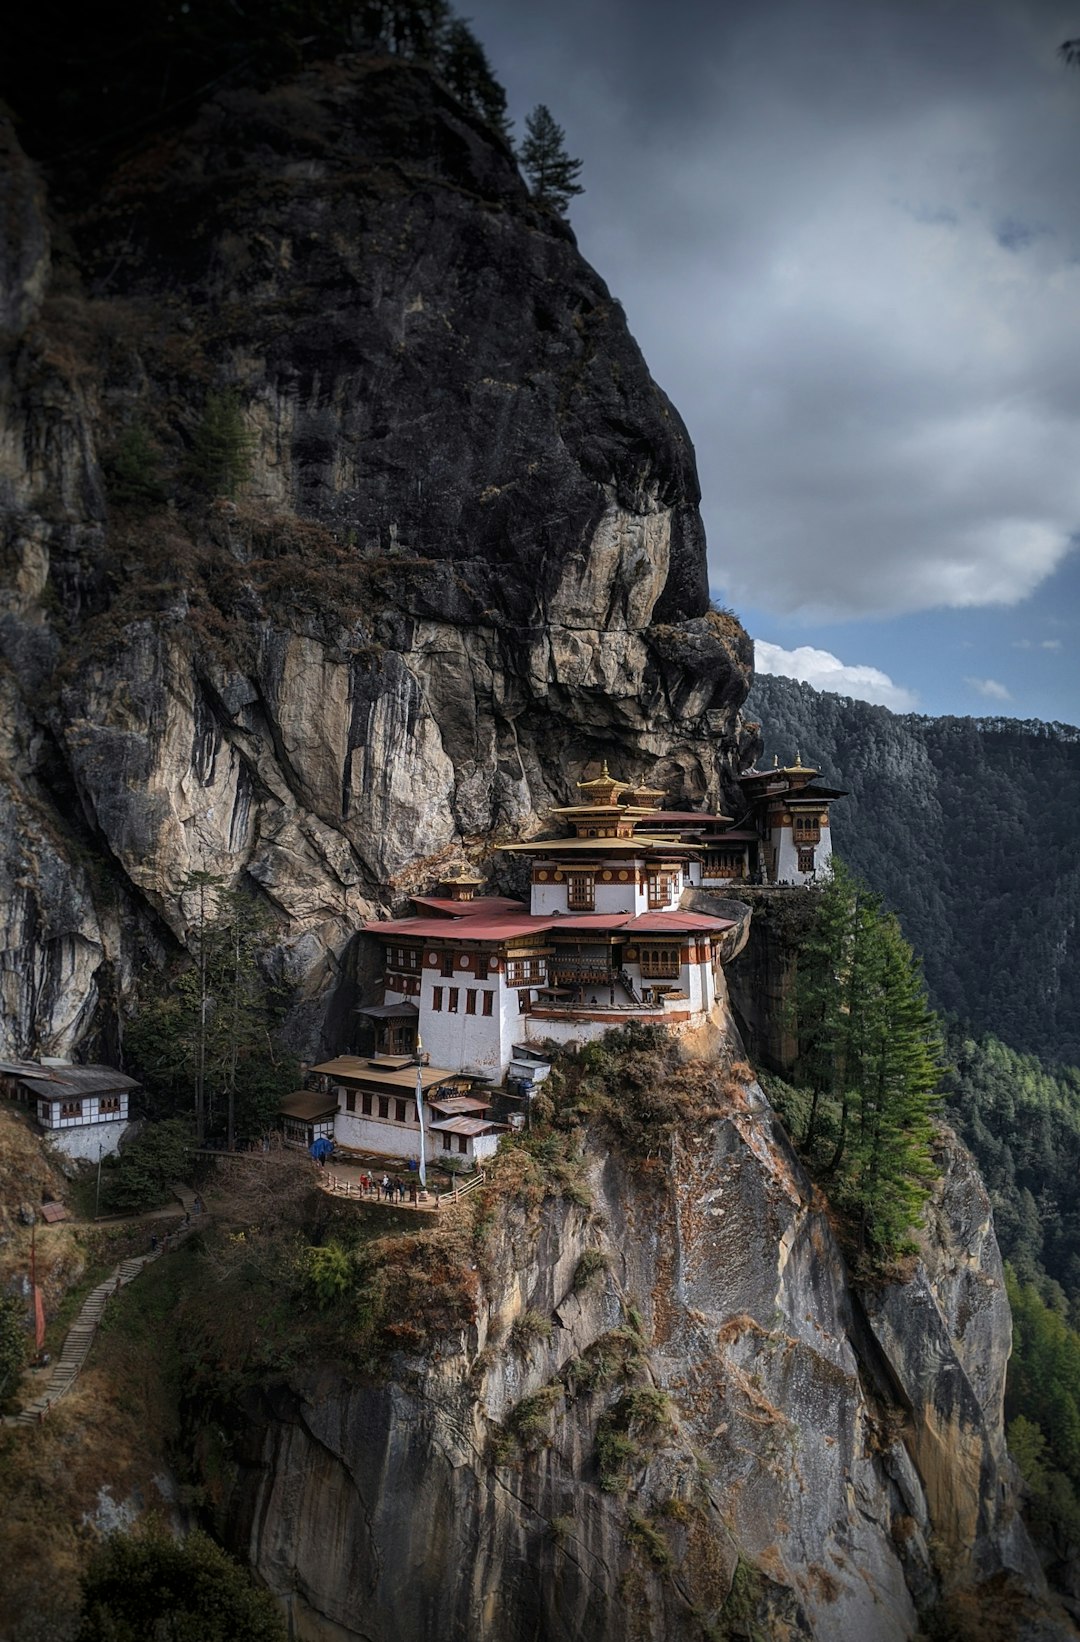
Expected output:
{"points": [[134, 470], [222, 450], [527, 1330], [328, 1273], [647, 1538], [591, 1267]]}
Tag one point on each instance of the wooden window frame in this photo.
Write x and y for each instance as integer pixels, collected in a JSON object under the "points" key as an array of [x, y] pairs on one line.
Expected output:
{"points": [[365, 1104], [470, 1001], [437, 999], [581, 891], [489, 1003], [660, 963], [453, 995], [350, 1100]]}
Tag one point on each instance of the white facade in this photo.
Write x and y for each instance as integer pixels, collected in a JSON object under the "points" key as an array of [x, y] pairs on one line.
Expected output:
{"points": [[391, 1137], [460, 1032], [84, 1142], [789, 854], [617, 889]]}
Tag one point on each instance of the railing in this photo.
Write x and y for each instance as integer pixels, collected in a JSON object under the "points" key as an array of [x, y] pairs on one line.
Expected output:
{"points": [[464, 1187], [340, 1187]]}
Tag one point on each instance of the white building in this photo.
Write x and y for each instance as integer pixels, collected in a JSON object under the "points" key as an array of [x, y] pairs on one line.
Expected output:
{"points": [[604, 941], [792, 817], [376, 1109], [82, 1109]]}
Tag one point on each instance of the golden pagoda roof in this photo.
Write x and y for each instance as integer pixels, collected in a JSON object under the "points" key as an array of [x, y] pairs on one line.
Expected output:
{"points": [[603, 787]]}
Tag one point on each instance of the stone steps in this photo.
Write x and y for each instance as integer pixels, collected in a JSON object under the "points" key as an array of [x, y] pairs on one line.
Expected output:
{"points": [[80, 1336]]}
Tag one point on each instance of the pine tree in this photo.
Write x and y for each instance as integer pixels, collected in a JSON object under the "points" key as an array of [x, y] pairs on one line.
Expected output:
{"points": [[222, 450], [552, 174], [463, 64], [869, 1054], [205, 1041]]}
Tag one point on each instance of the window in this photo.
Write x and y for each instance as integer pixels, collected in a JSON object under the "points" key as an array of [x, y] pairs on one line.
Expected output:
{"points": [[581, 891], [524, 1002], [660, 889], [384, 1105], [519, 970], [462, 1143], [71, 1108], [365, 1105], [453, 1000], [806, 860], [447, 964], [660, 963], [806, 829], [470, 1001], [350, 1100], [436, 997], [399, 1110], [489, 999], [447, 1141]]}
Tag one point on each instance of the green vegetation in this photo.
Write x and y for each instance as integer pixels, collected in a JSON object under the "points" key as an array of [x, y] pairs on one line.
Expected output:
{"points": [[528, 1330], [635, 1422], [146, 1586], [648, 1539], [967, 828], [14, 1344], [203, 1040], [869, 1057], [1022, 1123], [134, 471], [1042, 1407], [141, 66], [590, 1270], [552, 174], [141, 1176], [222, 449]]}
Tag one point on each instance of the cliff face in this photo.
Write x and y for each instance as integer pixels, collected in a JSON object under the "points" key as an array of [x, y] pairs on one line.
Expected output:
{"points": [[791, 1464], [465, 562]]}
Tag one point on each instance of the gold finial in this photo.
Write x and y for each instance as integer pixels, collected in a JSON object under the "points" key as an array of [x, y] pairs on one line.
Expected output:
{"points": [[605, 772]]}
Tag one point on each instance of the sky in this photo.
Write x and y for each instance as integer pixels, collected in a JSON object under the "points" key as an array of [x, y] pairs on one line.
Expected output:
{"points": [[847, 238]]}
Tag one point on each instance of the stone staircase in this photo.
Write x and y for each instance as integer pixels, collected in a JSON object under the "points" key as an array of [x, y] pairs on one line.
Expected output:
{"points": [[80, 1336]]}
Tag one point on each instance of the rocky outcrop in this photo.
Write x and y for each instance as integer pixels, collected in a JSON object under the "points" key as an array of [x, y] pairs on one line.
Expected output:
{"points": [[461, 562], [714, 1439]]}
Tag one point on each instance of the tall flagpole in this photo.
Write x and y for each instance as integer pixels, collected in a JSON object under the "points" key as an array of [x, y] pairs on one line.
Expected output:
{"points": [[420, 1109]]}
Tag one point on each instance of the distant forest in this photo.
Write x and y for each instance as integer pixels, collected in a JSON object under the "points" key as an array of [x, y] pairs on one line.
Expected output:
{"points": [[968, 829]]}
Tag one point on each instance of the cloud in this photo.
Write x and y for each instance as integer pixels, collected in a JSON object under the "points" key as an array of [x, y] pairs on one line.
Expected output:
{"points": [[990, 688], [848, 240], [1036, 644], [827, 672]]}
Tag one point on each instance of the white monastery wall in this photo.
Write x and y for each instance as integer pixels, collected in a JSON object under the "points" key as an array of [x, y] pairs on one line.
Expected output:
{"points": [[83, 1142]]}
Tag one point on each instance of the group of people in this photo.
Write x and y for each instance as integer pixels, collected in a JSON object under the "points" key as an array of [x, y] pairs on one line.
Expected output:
{"points": [[391, 1188]]}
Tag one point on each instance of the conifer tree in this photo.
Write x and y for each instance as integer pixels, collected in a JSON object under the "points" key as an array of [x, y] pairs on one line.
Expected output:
{"points": [[552, 174], [464, 66], [869, 1054]]}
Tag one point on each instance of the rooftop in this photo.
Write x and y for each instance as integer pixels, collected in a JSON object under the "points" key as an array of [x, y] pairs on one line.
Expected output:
{"points": [[383, 1074], [61, 1082], [308, 1106]]}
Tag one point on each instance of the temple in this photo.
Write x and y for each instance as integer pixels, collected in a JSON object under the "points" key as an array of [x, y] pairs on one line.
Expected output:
{"points": [[475, 988]]}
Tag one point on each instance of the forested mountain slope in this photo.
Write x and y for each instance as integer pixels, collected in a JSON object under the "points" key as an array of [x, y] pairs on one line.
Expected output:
{"points": [[967, 827]]}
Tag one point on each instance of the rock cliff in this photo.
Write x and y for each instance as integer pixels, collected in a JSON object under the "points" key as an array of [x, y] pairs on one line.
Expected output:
{"points": [[439, 550], [669, 1418]]}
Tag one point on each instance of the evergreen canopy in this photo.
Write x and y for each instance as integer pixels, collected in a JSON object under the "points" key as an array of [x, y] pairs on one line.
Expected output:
{"points": [[551, 172]]}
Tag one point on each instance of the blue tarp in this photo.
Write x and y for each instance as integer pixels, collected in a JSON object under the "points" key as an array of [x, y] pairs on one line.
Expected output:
{"points": [[322, 1148]]}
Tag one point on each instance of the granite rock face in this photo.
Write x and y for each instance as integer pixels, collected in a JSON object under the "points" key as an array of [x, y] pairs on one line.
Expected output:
{"points": [[458, 560], [809, 1474]]}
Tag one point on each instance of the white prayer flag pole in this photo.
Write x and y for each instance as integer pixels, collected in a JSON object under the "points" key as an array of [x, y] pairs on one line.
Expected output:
{"points": [[420, 1110]]}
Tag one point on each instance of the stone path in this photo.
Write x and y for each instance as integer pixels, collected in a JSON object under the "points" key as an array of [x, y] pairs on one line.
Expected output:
{"points": [[80, 1336]]}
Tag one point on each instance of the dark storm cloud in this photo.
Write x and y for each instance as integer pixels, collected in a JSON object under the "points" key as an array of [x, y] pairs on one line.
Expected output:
{"points": [[847, 237]]}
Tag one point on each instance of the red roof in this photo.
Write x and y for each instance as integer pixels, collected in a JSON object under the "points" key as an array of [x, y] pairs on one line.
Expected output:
{"points": [[480, 906], [505, 927], [675, 923], [500, 927]]}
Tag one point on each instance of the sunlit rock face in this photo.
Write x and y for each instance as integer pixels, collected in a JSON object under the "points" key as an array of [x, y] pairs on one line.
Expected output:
{"points": [[465, 563], [819, 1470]]}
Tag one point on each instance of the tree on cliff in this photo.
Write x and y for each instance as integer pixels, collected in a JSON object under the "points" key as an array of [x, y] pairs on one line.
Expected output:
{"points": [[463, 64], [205, 1041], [149, 1585], [870, 1057], [551, 172]]}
